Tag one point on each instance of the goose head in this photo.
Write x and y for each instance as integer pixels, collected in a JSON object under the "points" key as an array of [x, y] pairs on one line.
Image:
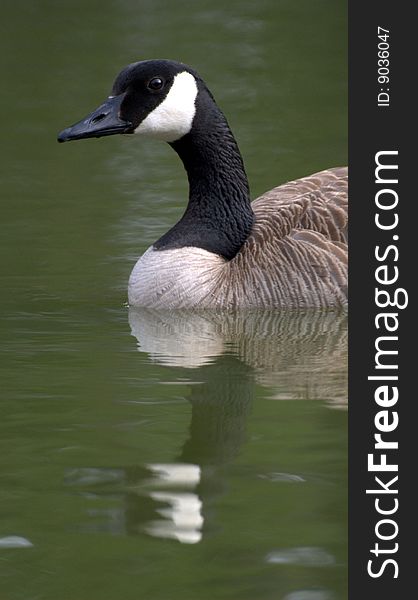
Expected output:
{"points": [[154, 98]]}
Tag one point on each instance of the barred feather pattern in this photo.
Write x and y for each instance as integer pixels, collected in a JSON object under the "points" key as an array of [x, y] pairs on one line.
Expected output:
{"points": [[294, 257]]}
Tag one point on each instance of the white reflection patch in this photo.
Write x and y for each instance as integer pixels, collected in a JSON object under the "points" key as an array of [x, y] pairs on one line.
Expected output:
{"points": [[15, 541], [183, 518], [303, 555], [182, 515]]}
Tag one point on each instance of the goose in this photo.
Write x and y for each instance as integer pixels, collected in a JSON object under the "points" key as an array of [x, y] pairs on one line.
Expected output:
{"points": [[286, 249]]}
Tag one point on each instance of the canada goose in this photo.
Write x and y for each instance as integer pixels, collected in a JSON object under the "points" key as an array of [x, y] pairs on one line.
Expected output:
{"points": [[287, 249]]}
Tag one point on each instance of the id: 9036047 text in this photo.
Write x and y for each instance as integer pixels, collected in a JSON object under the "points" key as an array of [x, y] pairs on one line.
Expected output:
{"points": [[383, 55]]}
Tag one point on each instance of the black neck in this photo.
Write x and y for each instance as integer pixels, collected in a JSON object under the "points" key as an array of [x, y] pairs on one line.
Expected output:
{"points": [[219, 216]]}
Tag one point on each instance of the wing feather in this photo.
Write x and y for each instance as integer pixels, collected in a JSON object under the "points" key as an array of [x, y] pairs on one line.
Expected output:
{"points": [[296, 254]]}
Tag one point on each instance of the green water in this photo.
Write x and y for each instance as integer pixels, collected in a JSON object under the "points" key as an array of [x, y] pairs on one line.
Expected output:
{"points": [[162, 456]]}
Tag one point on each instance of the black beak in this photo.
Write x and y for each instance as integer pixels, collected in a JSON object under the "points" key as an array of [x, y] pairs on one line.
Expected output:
{"points": [[105, 120]]}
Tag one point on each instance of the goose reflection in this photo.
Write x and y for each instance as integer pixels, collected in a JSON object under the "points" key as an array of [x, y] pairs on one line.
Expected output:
{"points": [[309, 347], [222, 357]]}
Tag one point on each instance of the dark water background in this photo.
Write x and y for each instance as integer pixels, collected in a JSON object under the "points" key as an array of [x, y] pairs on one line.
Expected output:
{"points": [[162, 456]]}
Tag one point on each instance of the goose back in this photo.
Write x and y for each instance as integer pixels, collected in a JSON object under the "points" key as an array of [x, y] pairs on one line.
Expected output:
{"points": [[296, 255]]}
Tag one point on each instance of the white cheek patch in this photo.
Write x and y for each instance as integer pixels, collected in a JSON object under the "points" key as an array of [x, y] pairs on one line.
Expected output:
{"points": [[173, 118]]}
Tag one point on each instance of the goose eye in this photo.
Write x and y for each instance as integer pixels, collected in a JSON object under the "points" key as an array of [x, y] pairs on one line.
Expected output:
{"points": [[155, 84]]}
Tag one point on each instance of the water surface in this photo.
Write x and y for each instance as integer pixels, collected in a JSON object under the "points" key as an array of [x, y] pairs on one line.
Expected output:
{"points": [[147, 454]]}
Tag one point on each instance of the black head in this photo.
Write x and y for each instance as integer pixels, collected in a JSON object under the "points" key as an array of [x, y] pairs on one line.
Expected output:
{"points": [[153, 97]]}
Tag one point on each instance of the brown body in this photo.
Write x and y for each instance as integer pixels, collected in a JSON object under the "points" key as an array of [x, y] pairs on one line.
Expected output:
{"points": [[294, 257]]}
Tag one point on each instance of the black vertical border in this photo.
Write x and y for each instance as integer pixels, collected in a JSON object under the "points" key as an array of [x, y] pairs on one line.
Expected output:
{"points": [[372, 129]]}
